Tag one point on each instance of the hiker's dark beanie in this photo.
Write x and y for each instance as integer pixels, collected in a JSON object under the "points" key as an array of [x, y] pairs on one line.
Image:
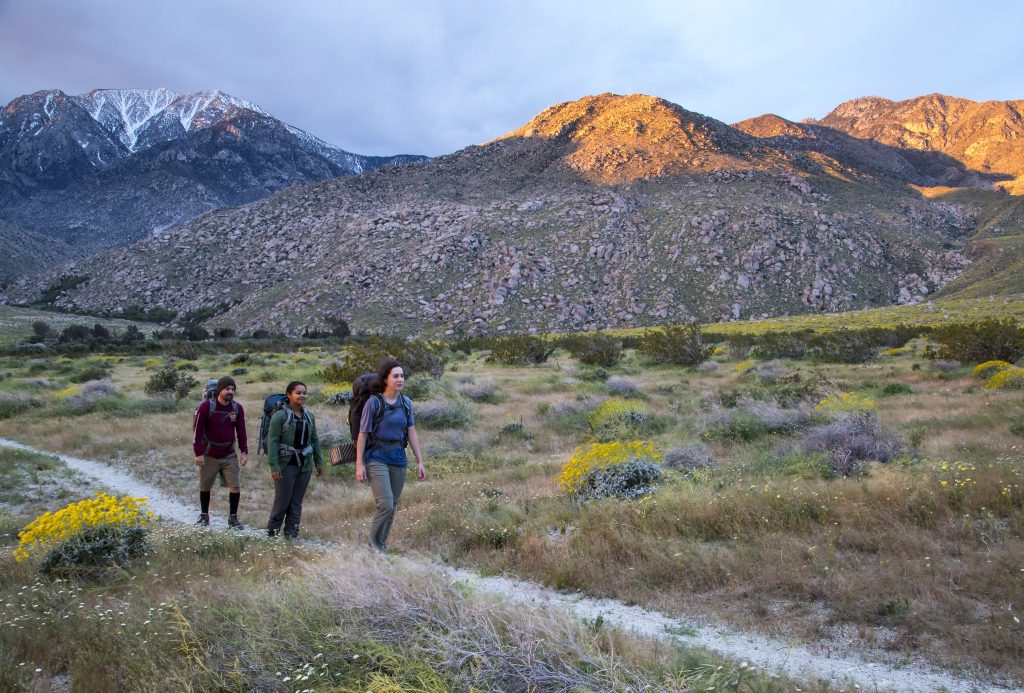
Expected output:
{"points": [[226, 381]]}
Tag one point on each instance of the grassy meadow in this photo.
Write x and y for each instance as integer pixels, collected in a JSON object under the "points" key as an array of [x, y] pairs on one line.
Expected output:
{"points": [[774, 514]]}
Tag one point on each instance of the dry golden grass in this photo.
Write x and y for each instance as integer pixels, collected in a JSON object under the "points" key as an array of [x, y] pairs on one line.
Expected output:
{"points": [[893, 557]]}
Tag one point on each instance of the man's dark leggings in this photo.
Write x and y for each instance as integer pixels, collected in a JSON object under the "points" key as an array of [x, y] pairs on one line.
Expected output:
{"points": [[289, 491]]}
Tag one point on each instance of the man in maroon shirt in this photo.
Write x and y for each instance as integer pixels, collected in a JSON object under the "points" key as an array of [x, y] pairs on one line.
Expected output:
{"points": [[219, 421]]}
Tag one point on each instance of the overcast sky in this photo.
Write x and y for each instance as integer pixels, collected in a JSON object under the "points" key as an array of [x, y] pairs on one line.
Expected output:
{"points": [[430, 77]]}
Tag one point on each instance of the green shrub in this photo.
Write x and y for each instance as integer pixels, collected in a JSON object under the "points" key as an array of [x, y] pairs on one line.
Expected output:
{"points": [[13, 404], [893, 389], [675, 345], [627, 480], [170, 381], [239, 371], [595, 349], [980, 341], [416, 356], [94, 550], [520, 350], [91, 371]]}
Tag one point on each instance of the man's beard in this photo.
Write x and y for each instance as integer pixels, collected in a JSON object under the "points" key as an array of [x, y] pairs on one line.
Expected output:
{"points": [[228, 396]]}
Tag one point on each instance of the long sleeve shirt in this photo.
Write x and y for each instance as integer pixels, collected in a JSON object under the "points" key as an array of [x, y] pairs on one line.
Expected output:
{"points": [[215, 435]]}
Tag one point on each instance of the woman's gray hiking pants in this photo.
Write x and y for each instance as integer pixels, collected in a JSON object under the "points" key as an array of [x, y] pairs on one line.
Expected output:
{"points": [[289, 491], [387, 482]]}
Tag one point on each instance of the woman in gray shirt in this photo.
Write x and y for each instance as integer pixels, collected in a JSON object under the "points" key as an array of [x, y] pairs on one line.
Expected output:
{"points": [[387, 425]]}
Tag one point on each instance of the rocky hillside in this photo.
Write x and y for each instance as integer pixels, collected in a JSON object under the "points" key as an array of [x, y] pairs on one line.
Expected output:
{"points": [[984, 137], [609, 211], [27, 252], [106, 168]]}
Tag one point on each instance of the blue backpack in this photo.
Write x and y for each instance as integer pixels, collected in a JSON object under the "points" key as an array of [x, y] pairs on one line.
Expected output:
{"points": [[271, 405]]}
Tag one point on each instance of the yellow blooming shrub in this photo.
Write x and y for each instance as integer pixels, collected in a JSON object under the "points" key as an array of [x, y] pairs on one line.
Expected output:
{"points": [[51, 529], [152, 362], [617, 410], [329, 390], [587, 458], [68, 392], [847, 402], [745, 366], [1009, 379], [989, 368]]}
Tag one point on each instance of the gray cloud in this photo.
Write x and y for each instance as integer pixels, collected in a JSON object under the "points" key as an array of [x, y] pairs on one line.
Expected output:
{"points": [[432, 76]]}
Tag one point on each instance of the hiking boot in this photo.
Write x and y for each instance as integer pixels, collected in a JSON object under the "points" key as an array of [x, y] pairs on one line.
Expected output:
{"points": [[234, 523], [204, 520], [379, 548], [273, 532]]}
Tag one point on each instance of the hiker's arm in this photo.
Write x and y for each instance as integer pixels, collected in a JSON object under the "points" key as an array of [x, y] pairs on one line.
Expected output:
{"points": [[273, 440], [414, 443], [365, 427], [199, 431], [318, 458], [243, 439], [360, 449]]}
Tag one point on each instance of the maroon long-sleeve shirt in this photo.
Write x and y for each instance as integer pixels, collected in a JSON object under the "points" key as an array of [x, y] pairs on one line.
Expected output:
{"points": [[215, 435]]}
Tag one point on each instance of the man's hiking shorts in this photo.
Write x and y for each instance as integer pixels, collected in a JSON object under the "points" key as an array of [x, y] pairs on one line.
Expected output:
{"points": [[224, 467]]}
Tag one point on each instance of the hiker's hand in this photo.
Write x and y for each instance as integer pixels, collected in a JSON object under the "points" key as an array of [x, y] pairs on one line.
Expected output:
{"points": [[319, 471], [243, 458], [360, 472], [276, 476], [421, 472], [199, 460]]}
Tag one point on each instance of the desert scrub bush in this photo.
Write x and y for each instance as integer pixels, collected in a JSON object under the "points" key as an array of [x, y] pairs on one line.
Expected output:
{"points": [[690, 457], [87, 533], [1009, 379], [617, 418], [679, 345], [13, 404], [335, 394], [895, 389], [170, 381], [845, 403], [442, 413], [91, 371], [421, 387], [626, 480], [976, 342], [520, 350], [622, 387], [591, 374], [849, 440], [989, 368], [587, 458], [596, 349], [416, 356], [484, 391], [752, 419]]}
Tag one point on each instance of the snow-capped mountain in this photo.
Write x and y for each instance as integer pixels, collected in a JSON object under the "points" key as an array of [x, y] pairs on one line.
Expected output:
{"points": [[102, 169]]}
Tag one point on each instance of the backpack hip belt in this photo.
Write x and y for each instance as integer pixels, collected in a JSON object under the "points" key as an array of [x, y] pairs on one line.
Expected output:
{"points": [[287, 451]]}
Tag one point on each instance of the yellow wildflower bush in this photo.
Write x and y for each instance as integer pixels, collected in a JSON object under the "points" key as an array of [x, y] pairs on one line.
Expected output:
{"points": [[587, 458], [989, 368], [152, 362], [51, 529], [330, 390], [745, 366], [615, 411], [68, 392], [846, 402], [1009, 379]]}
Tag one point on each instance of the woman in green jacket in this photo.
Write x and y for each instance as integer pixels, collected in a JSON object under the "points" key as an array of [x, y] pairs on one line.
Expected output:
{"points": [[293, 449]]}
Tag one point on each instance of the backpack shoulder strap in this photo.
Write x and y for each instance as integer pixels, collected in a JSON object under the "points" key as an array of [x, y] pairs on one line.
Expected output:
{"points": [[378, 415]]}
